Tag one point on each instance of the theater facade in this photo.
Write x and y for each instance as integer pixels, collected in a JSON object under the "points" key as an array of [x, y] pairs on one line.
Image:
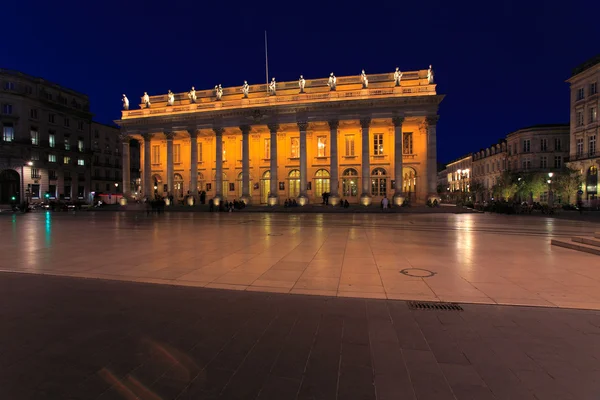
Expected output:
{"points": [[358, 138]]}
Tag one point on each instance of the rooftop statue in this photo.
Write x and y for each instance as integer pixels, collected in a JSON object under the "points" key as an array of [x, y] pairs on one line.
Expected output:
{"points": [[364, 79], [125, 101], [397, 76], [332, 82], [146, 100], [218, 91], [192, 95], [430, 75], [272, 87], [170, 98], [245, 89], [301, 84]]}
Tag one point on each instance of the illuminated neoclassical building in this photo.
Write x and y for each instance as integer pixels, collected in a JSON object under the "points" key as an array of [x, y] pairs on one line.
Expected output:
{"points": [[355, 139]]}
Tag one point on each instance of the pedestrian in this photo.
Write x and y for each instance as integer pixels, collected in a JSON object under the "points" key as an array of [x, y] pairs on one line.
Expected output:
{"points": [[211, 205], [384, 203]]}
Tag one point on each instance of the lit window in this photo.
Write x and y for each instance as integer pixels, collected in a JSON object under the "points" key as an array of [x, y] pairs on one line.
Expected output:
{"points": [[322, 146], [267, 149], [66, 160], [67, 144], [349, 145], [294, 147], [378, 144], [407, 145], [35, 137], [176, 153], [156, 154], [593, 115], [224, 151], [51, 140], [80, 145], [52, 157], [80, 161]]}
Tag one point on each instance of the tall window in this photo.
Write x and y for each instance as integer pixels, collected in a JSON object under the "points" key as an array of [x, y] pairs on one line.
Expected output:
{"points": [[293, 183], [80, 162], [350, 182], [322, 146], [407, 144], [592, 145], [557, 161], [526, 164], [544, 144], [51, 140], [67, 143], [267, 149], [7, 109], [33, 113], [35, 173], [580, 146], [580, 94], [322, 182], [543, 162], [67, 122], [349, 145], [526, 146], [80, 125], [80, 145], [557, 144], [378, 182], [66, 160], [593, 115], [295, 148], [35, 137], [8, 133], [199, 151], [593, 88], [378, 144], [52, 157], [579, 118], [156, 154], [177, 153], [9, 85], [35, 156]]}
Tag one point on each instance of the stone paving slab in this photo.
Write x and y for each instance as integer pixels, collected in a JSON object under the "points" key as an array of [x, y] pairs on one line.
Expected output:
{"points": [[69, 338], [467, 258]]}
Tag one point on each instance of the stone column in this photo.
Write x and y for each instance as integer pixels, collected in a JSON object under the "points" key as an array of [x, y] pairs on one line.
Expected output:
{"points": [[169, 136], [398, 193], [334, 198], [193, 167], [365, 197], [303, 198], [273, 192], [432, 158], [148, 184], [219, 165], [246, 198], [126, 168]]}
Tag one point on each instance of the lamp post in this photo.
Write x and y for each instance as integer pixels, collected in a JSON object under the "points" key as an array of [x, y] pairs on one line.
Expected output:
{"points": [[550, 194]]}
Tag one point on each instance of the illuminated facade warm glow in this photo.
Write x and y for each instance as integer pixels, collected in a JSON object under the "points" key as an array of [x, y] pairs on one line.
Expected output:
{"points": [[356, 143]]}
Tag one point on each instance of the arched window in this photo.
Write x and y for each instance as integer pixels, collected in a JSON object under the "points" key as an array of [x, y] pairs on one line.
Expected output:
{"points": [[322, 182], [409, 182], [178, 186], [201, 182], [294, 183], [378, 182], [224, 186], [265, 186], [591, 182], [350, 182], [240, 181]]}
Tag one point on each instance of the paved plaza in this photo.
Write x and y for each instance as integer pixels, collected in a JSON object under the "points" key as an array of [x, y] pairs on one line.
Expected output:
{"points": [[465, 258], [66, 338]]}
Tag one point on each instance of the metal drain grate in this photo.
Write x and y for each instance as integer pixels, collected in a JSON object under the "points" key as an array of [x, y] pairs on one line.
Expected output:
{"points": [[423, 305]]}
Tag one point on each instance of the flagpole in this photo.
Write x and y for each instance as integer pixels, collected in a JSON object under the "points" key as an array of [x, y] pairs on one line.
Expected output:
{"points": [[266, 60]]}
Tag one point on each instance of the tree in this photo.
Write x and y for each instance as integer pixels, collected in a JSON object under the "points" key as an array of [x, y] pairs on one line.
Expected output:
{"points": [[567, 183], [477, 189], [506, 187], [534, 184]]}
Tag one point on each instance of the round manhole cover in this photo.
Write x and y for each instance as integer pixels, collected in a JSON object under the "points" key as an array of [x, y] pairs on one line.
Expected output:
{"points": [[417, 272]]}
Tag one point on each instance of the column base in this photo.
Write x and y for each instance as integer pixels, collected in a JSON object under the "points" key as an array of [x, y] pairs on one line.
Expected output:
{"points": [[123, 201], [272, 200], [217, 200], [190, 201], [246, 199], [334, 199], [398, 199], [302, 200], [434, 197], [365, 199]]}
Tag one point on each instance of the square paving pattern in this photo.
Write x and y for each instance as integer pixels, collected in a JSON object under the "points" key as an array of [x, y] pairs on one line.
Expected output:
{"points": [[68, 338], [467, 258]]}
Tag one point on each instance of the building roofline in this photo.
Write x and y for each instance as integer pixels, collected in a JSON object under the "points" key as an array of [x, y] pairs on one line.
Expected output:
{"points": [[115, 126], [585, 65], [43, 81], [540, 126], [469, 155]]}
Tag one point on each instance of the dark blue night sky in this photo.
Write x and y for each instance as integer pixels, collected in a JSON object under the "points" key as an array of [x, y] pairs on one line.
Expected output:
{"points": [[502, 65]]}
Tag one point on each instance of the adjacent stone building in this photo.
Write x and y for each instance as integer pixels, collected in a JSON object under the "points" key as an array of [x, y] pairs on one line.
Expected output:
{"points": [[459, 174], [107, 179], [355, 140], [488, 166], [584, 127], [45, 140]]}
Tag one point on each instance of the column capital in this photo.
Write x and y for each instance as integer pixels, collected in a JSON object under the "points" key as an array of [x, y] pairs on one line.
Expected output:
{"points": [[169, 135], [245, 129], [432, 120], [397, 120], [333, 123], [218, 130], [124, 138], [302, 126], [365, 122], [147, 136], [273, 128], [193, 133]]}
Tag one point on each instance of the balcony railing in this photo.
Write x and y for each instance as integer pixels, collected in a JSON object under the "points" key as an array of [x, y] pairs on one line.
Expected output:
{"points": [[584, 156]]}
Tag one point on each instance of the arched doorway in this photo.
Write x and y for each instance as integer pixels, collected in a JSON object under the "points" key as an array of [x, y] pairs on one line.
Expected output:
{"points": [[409, 183], [378, 183], [591, 183], [322, 183], [157, 184], [240, 186], [200, 184], [350, 184], [224, 186], [178, 186], [10, 182], [265, 187], [294, 183]]}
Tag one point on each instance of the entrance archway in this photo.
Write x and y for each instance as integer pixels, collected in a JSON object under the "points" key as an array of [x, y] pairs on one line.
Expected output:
{"points": [[240, 186], [265, 187], [350, 184], [322, 183], [378, 183], [178, 186], [294, 183], [157, 185], [10, 182], [591, 183], [409, 183]]}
